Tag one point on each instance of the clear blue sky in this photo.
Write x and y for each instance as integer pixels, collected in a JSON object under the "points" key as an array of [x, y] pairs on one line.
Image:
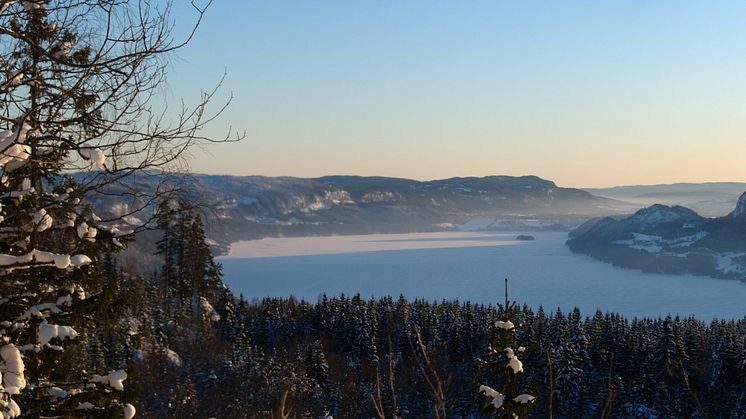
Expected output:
{"points": [[586, 93]]}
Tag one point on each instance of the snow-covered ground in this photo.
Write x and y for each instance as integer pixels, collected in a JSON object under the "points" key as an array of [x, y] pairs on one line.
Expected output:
{"points": [[655, 244], [470, 266]]}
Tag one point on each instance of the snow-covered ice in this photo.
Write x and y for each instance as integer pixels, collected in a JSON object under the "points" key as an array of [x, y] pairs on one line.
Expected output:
{"points": [[304, 246]]}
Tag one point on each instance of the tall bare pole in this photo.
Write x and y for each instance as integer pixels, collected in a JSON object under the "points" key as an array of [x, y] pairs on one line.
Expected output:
{"points": [[506, 296]]}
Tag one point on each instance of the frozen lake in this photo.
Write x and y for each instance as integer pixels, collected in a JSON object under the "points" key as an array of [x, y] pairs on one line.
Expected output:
{"points": [[470, 266]]}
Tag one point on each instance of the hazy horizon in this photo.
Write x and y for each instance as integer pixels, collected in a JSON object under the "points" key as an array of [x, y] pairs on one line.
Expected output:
{"points": [[476, 176], [584, 94]]}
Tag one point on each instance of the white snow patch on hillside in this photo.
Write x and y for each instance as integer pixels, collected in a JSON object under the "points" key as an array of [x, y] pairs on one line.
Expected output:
{"points": [[657, 216], [687, 241], [645, 242], [379, 197], [727, 264], [655, 244]]}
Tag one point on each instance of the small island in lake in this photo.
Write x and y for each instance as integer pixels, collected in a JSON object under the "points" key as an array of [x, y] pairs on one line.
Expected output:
{"points": [[524, 237]]}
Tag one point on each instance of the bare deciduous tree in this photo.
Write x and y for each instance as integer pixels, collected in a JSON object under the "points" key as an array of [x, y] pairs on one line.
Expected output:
{"points": [[80, 91]]}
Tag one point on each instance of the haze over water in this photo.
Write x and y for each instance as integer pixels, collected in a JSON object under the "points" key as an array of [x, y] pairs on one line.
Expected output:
{"points": [[470, 266]]}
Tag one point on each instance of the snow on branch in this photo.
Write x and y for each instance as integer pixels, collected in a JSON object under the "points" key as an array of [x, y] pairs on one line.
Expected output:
{"points": [[114, 379], [47, 332], [40, 257], [95, 155]]}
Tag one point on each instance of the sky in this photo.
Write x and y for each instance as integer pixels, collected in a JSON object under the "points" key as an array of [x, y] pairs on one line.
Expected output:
{"points": [[584, 93]]}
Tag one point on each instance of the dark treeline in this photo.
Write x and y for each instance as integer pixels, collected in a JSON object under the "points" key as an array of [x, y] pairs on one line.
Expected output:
{"points": [[194, 350], [336, 354]]}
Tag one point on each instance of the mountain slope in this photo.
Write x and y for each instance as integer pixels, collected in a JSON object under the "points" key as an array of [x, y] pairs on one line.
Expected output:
{"points": [[669, 239], [250, 207]]}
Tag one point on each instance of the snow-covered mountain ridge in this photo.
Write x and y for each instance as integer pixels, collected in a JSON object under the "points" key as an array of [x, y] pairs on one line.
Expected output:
{"points": [[669, 239], [250, 207]]}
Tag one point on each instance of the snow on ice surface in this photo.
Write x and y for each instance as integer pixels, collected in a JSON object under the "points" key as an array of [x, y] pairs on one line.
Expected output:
{"points": [[304, 246], [542, 272]]}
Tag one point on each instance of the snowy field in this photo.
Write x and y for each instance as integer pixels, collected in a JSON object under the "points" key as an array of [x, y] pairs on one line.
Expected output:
{"points": [[470, 266]]}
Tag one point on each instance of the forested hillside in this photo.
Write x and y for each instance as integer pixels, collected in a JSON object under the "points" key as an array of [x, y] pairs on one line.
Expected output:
{"points": [[253, 207], [667, 239], [92, 161], [198, 351]]}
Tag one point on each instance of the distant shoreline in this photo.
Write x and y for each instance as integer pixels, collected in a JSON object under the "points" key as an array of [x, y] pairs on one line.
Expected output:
{"points": [[340, 244]]}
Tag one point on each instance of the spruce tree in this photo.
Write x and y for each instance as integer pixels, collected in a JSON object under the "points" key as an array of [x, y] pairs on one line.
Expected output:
{"points": [[509, 400]]}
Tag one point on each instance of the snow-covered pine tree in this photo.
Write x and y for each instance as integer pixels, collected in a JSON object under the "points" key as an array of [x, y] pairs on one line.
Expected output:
{"points": [[510, 401], [77, 80]]}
